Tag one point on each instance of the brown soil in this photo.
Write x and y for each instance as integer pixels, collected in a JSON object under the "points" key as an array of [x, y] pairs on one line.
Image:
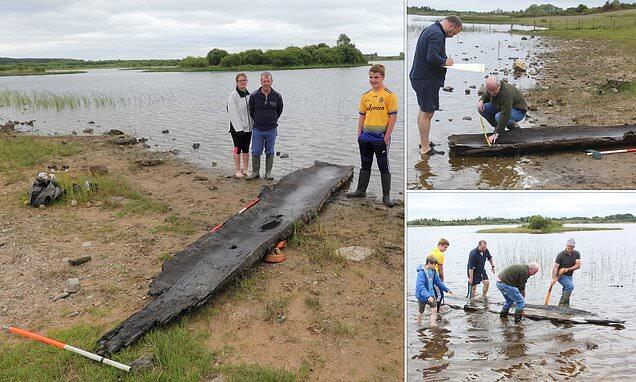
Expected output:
{"points": [[574, 72], [343, 319]]}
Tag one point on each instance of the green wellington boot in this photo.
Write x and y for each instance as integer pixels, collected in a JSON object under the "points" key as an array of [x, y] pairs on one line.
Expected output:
{"points": [[518, 316], [269, 163], [363, 182], [565, 298], [256, 168], [386, 190]]}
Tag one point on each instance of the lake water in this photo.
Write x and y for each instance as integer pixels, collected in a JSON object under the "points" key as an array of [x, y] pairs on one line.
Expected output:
{"points": [[319, 120], [478, 346], [496, 47]]}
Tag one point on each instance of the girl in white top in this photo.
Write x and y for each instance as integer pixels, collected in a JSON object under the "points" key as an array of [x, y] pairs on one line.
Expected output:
{"points": [[240, 124]]}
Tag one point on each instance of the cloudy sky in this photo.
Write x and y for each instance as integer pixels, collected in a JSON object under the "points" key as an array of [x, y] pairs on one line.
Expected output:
{"points": [[451, 205], [509, 5], [174, 29]]}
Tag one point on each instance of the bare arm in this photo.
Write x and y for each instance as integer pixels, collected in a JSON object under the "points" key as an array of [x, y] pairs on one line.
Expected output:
{"points": [[470, 275], [576, 266], [389, 126], [361, 123], [492, 264]]}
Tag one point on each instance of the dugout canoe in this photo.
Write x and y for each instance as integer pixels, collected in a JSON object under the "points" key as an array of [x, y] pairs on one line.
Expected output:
{"points": [[558, 314], [543, 139], [203, 268]]}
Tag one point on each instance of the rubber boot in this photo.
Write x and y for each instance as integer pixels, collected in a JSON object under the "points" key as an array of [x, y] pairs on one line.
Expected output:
{"points": [[386, 189], [256, 168], [518, 316], [504, 313], [269, 163], [363, 182], [565, 298]]}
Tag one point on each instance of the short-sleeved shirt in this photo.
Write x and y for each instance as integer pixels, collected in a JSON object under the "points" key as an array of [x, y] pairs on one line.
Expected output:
{"points": [[566, 261], [377, 106], [439, 255], [516, 275], [477, 261]]}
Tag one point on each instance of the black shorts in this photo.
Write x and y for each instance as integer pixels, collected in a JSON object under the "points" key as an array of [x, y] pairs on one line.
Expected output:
{"points": [[479, 275], [421, 305], [241, 141], [427, 95]]}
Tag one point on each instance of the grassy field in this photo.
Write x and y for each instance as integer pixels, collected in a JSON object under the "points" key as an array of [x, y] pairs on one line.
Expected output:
{"points": [[556, 229]]}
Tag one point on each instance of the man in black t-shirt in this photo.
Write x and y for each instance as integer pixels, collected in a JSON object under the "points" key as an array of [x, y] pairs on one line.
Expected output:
{"points": [[566, 262]]}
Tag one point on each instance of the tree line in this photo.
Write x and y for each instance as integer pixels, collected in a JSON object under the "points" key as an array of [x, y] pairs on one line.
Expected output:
{"points": [[533, 10], [343, 53], [534, 220]]}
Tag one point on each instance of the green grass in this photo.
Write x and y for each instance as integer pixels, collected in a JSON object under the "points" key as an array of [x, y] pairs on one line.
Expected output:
{"points": [[48, 100], [276, 308], [20, 152], [313, 303], [523, 229], [176, 224], [180, 356]]}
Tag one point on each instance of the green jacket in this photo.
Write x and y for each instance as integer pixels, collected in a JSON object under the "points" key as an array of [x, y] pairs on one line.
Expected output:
{"points": [[508, 97], [516, 275]]}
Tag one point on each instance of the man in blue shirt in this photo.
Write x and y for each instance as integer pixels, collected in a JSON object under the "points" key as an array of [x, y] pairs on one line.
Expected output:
{"points": [[428, 73], [477, 268]]}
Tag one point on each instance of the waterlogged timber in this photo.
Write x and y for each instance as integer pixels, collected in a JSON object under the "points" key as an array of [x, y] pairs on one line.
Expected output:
{"points": [[478, 345], [556, 314], [199, 271], [543, 139]]}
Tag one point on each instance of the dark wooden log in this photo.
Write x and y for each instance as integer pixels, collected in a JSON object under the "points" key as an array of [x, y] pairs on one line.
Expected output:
{"points": [[544, 139], [203, 268]]}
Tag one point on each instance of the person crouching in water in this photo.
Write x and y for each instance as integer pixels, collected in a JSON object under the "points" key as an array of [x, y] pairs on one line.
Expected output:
{"points": [[511, 282], [378, 113], [425, 291], [240, 124]]}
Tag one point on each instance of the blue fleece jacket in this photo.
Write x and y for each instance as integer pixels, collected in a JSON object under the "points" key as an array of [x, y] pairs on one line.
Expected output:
{"points": [[421, 286], [430, 56]]}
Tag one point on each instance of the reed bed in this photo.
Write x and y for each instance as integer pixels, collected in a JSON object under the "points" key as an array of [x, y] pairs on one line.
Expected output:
{"points": [[48, 100]]}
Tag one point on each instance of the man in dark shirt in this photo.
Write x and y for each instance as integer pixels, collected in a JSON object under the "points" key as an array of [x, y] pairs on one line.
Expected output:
{"points": [[567, 261], [477, 268], [265, 107], [428, 73], [502, 105], [511, 282]]}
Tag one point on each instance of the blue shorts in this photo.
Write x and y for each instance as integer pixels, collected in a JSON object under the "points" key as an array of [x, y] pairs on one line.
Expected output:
{"points": [[427, 95]]}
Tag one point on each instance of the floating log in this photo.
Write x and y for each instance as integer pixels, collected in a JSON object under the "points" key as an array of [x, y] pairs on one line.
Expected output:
{"points": [[203, 268], [559, 314], [542, 139]]}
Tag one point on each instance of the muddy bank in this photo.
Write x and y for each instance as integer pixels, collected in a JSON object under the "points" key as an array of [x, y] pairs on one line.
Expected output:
{"points": [[329, 313], [573, 90]]}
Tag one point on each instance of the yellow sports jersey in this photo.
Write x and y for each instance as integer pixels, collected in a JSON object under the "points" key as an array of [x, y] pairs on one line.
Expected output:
{"points": [[439, 255], [376, 106]]}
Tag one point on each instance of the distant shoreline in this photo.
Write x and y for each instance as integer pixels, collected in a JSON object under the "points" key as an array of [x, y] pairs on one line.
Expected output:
{"points": [[547, 230]]}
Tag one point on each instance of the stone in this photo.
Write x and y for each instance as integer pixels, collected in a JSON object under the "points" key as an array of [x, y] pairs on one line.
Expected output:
{"points": [[467, 119], [88, 130], [284, 156], [550, 103], [144, 362], [532, 108], [196, 146], [165, 131], [448, 88], [61, 296], [79, 260], [73, 203], [519, 66], [72, 285], [200, 178], [614, 90], [175, 151], [87, 244], [467, 91], [355, 253], [524, 38], [124, 140], [149, 162], [114, 132]]}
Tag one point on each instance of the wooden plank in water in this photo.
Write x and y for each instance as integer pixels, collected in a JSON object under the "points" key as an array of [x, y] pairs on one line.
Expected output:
{"points": [[543, 139]]}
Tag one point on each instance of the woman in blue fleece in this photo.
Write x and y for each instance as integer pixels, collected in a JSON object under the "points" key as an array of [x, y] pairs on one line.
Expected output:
{"points": [[424, 291]]}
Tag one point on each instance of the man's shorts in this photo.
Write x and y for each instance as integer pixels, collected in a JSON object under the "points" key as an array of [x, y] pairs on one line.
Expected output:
{"points": [[427, 95], [479, 276], [422, 305]]}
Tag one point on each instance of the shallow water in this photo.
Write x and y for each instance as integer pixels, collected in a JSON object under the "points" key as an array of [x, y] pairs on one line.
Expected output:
{"points": [[479, 346], [319, 120], [494, 46]]}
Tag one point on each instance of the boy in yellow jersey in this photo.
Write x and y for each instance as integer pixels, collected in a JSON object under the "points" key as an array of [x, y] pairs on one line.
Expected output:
{"points": [[378, 113], [438, 252]]}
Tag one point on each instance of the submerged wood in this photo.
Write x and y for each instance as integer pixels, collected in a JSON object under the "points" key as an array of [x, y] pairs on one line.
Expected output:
{"points": [[542, 139], [560, 314], [203, 268]]}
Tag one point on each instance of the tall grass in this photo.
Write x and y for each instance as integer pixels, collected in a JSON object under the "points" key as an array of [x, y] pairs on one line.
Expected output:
{"points": [[48, 100]]}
